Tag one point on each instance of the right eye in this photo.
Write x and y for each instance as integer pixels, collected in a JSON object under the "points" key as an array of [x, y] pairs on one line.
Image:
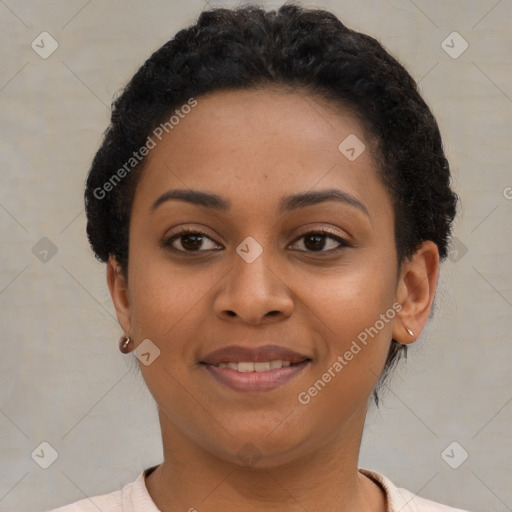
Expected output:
{"points": [[191, 240]]}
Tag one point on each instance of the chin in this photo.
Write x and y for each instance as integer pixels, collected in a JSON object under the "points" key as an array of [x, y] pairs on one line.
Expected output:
{"points": [[263, 447]]}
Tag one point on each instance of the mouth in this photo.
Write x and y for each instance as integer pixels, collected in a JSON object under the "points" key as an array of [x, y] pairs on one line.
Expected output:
{"points": [[255, 369], [255, 366]]}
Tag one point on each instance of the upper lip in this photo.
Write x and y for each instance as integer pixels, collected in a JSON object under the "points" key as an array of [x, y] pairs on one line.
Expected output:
{"points": [[234, 353]]}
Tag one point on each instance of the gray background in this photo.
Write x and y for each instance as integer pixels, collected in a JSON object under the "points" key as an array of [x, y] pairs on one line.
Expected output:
{"points": [[62, 378]]}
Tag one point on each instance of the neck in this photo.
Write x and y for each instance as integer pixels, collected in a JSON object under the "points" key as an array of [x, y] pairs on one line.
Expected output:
{"points": [[326, 478]]}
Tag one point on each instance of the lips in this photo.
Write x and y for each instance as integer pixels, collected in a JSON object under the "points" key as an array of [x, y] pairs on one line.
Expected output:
{"points": [[254, 369], [266, 353]]}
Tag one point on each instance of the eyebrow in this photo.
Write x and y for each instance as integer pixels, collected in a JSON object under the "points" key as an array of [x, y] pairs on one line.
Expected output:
{"points": [[286, 204]]}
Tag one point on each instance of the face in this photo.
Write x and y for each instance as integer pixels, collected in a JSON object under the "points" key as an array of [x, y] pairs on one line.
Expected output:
{"points": [[290, 268]]}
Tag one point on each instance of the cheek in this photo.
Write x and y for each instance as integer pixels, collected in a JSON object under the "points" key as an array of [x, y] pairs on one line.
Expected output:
{"points": [[356, 314], [165, 298], [352, 298]]}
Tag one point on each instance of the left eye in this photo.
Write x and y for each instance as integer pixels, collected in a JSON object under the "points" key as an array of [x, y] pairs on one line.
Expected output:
{"points": [[314, 241]]}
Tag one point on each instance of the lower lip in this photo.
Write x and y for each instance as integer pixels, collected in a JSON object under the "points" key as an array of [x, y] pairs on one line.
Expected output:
{"points": [[256, 381]]}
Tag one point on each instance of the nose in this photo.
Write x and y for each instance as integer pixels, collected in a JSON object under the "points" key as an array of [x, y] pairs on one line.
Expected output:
{"points": [[254, 293]]}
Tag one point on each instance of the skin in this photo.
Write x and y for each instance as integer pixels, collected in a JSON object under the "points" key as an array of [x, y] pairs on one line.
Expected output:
{"points": [[252, 148]]}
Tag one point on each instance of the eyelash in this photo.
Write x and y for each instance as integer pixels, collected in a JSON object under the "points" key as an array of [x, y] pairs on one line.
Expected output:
{"points": [[167, 243]]}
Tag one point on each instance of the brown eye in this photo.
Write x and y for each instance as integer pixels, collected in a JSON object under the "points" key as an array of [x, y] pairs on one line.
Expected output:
{"points": [[190, 241], [316, 241]]}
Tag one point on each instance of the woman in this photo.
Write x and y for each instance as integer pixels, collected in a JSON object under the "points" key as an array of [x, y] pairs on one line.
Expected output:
{"points": [[272, 202]]}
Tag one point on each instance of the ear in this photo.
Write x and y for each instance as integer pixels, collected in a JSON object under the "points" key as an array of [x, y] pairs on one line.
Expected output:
{"points": [[119, 293], [415, 291]]}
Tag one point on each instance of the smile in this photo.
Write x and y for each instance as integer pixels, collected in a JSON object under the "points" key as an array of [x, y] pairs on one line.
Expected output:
{"points": [[248, 376], [260, 366]]}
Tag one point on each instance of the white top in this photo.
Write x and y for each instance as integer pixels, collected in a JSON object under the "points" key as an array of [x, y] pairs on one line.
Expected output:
{"points": [[134, 497]]}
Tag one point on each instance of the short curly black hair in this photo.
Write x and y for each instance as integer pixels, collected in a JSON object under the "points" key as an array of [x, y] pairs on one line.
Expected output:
{"points": [[300, 49]]}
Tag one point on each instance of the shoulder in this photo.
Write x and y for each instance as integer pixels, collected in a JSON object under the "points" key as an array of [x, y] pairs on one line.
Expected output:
{"points": [[405, 501], [132, 496], [106, 503], [414, 503]]}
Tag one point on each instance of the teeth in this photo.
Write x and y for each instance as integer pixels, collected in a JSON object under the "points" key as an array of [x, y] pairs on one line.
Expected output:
{"points": [[249, 366], [245, 367], [262, 366]]}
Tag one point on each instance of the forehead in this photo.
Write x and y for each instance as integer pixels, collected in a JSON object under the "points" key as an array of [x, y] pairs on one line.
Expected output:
{"points": [[262, 144]]}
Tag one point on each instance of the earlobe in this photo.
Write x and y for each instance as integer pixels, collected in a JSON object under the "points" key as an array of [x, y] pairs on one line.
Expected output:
{"points": [[415, 292], [119, 293]]}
